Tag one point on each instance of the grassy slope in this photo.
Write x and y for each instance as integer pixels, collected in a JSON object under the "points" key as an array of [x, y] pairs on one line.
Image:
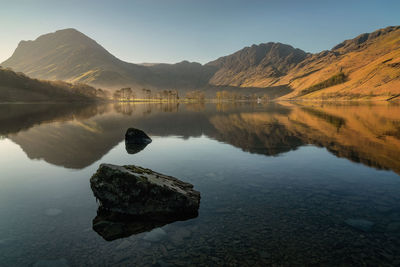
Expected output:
{"points": [[16, 87], [373, 71]]}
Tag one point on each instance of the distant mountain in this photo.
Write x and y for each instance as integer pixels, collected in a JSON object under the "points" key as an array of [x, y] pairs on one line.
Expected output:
{"points": [[71, 56], [367, 67], [16, 87], [256, 66]]}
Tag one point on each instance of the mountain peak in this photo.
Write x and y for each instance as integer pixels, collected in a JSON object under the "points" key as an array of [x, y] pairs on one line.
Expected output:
{"points": [[72, 56], [264, 53], [268, 60], [61, 55], [69, 36]]}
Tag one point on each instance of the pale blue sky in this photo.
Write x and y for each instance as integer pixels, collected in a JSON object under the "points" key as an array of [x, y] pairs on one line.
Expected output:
{"points": [[195, 30]]}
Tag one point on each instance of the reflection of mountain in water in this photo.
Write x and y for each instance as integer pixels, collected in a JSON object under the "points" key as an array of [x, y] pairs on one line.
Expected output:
{"points": [[17, 117], [78, 137], [77, 142], [365, 134], [257, 133]]}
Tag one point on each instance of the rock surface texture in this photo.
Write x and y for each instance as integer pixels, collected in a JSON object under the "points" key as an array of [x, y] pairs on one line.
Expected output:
{"points": [[137, 191]]}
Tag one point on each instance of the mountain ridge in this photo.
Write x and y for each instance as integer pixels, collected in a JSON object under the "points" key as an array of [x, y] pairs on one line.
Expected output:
{"points": [[266, 59], [369, 63], [74, 57]]}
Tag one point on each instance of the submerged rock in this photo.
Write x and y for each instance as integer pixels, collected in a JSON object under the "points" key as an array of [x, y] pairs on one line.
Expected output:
{"points": [[135, 200], [136, 136], [155, 235], [360, 224]]}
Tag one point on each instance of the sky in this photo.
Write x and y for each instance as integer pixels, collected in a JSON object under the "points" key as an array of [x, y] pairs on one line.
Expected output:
{"points": [[170, 31]]}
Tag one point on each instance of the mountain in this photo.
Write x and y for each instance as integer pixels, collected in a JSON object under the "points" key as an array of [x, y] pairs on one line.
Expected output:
{"points": [[366, 67], [16, 87], [71, 56], [256, 66], [66, 55]]}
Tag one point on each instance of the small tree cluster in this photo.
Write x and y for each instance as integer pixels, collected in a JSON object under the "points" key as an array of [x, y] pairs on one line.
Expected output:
{"points": [[169, 95], [124, 94], [146, 93], [196, 95], [334, 80]]}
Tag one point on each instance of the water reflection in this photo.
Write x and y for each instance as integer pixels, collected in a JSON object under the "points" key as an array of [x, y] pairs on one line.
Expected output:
{"points": [[112, 225], [262, 208], [77, 136], [136, 140], [134, 148]]}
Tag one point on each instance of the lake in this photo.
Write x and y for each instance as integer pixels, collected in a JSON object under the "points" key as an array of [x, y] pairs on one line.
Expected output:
{"points": [[281, 183]]}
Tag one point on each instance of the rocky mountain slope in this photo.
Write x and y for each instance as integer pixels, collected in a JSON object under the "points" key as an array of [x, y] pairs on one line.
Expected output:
{"points": [[256, 66], [367, 66]]}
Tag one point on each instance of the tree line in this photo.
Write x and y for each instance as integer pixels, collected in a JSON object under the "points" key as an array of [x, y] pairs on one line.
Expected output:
{"points": [[127, 94]]}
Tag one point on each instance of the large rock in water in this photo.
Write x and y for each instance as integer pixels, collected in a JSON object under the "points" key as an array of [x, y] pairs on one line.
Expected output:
{"points": [[136, 136], [141, 192]]}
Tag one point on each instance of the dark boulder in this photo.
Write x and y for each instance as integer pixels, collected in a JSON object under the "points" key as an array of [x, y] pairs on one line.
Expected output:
{"points": [[136, 136], [138, 191], [135, 200]]}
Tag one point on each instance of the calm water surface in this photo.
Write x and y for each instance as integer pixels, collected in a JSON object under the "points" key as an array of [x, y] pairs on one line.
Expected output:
{"points": [[281, 184]]}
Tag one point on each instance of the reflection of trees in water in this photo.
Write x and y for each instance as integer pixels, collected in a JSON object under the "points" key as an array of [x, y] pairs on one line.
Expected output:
{"points": [[168, 107], [336, 121], [124, 108], [128, 108], [230, 105], [196, 106], [395, 131]]}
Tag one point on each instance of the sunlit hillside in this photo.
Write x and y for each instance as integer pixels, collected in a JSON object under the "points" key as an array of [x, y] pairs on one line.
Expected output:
{"points": [[369, 63], [16, 87]]}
